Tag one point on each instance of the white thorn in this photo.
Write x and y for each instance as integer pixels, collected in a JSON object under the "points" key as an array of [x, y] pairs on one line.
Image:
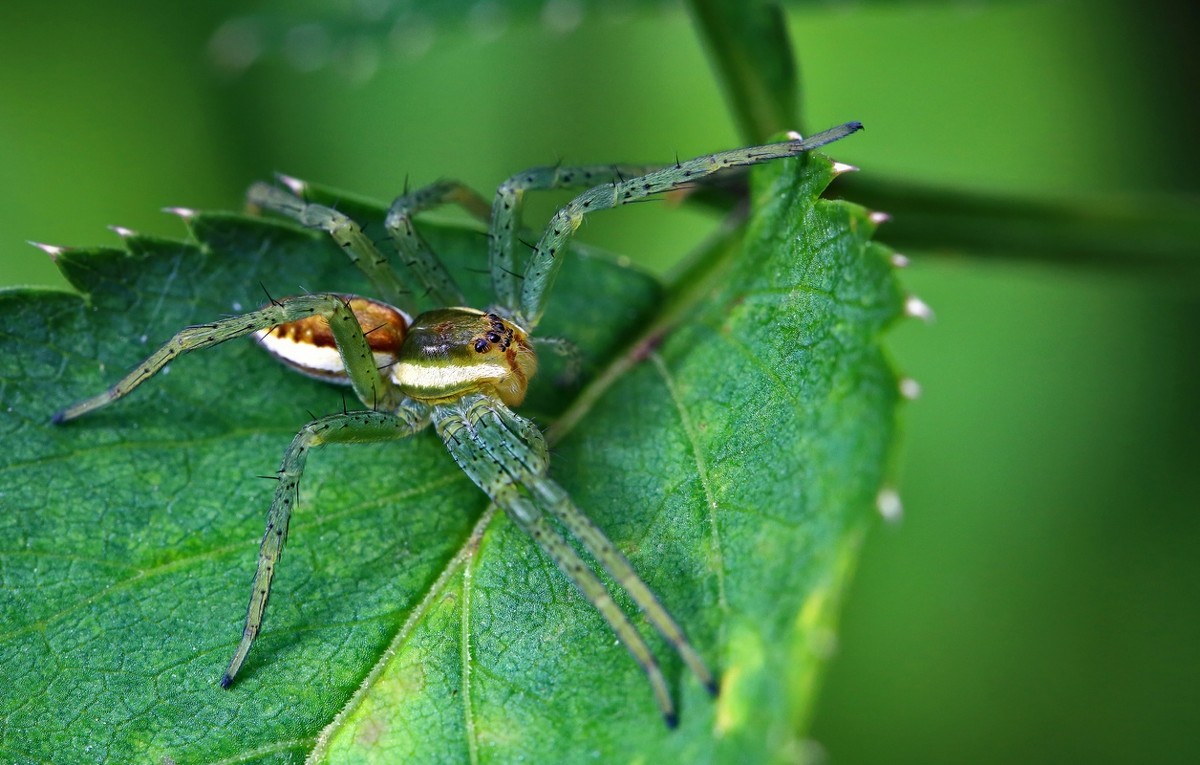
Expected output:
{"points": [[792, 135], [918, 309], [122, 232], [842, 167], [50, 249], [887, 502], [183, 212], [899, 261], [910, 388], [297, 186], [877, 217]]}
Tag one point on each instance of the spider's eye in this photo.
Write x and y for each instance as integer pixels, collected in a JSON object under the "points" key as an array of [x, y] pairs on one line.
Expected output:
{"points": [[451, 352], [308, 346]]}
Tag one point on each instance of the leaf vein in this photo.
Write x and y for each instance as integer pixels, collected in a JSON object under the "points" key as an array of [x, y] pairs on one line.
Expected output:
{"points": [[689, 429], [465, 553]]}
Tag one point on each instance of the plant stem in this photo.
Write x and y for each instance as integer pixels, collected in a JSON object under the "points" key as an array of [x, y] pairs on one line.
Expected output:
{"points": [[748, 45], [1155, 234]]}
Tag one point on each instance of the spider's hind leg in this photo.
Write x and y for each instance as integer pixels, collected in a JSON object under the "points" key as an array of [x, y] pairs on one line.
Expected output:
{"points": [[351, 427], [345, 232], [368, 383]]}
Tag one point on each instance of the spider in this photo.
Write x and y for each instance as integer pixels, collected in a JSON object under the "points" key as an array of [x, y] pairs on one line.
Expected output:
{"points": [[459, 369]]}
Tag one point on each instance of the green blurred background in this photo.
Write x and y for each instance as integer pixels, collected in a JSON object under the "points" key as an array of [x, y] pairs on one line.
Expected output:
{"points": [[1039, 600]]}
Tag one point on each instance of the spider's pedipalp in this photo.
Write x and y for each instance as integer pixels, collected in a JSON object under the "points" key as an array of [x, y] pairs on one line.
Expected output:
{"points": [[569, 352]]}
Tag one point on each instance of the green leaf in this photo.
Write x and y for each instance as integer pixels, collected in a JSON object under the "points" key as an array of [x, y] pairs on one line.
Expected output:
{"points": [[735, 460]]}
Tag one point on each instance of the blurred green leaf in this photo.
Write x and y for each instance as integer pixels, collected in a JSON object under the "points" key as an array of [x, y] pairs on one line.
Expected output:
{"points": [[735, 460]]}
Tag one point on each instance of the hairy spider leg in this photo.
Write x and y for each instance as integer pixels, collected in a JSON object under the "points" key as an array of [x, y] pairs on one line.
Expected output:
{"points": [[342, 428], [414, 251], [482, 435], [528, 453], [542, 266], [559, 503], [369, 385], [506, 217], [402, 418], [346, 233]]}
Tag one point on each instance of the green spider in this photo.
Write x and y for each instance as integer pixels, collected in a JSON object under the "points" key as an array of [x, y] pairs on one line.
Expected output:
{"points": [[460, 369]]}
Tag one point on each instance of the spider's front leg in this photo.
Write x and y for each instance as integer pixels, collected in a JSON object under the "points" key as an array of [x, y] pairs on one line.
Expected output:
{"points": [[543, 264], [356, 353], [506, 217], [505, 455]]}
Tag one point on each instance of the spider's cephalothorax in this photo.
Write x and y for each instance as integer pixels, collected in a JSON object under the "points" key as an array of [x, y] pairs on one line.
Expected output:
{"points": [[450, 352], [459, 369]]}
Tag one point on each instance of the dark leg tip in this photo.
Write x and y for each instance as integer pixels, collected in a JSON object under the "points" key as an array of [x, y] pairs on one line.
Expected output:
{"points": [[226, 681], [713, 688], [59, 418], [671, 719]]}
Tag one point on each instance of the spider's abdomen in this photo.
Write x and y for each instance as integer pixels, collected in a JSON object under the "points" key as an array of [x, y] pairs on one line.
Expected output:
{"points": [[307, 345], [451, 352]]}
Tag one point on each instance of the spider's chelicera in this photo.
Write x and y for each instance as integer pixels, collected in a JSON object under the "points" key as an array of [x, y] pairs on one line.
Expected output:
{"points": [[459, 369]]}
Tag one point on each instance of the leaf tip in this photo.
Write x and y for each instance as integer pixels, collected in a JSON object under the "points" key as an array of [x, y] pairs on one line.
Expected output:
{"points": [[841, 168], [50, 249], [183, 212], [899, 261], [878, 217], [122, 232]]}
